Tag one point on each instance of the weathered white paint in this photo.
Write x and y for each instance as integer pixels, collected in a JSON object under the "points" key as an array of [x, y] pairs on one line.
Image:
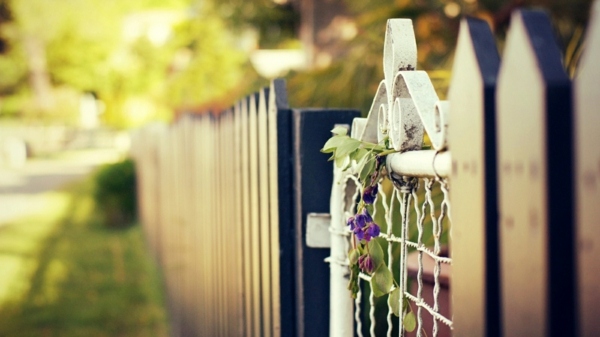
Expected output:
{"points": [[341, 306], [425, 163], [405, 104]]}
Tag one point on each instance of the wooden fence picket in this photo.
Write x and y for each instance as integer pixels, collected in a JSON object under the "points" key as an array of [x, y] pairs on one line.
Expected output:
{"points": [[587, 164], [472, 141], [535, 182]]}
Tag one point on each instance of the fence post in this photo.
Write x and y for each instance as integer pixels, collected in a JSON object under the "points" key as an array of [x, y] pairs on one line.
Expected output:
{"points": [[341, 314], [472, 140], [281, 211], [535, 164], [587, 156], [312, 173]]}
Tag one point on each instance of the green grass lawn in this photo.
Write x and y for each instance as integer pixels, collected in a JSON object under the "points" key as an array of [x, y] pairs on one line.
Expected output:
{"points": [[64, 274]]}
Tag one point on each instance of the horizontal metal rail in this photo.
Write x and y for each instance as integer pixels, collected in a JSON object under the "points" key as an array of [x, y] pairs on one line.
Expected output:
{"points": [[421, 164]]}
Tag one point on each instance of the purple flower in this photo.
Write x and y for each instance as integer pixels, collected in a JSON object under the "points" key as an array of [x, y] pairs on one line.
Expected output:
{"points": [[365, 263], [373, 230], [369, 194], [367, 236], [367, 215], [362, 220], [351, 222], [360, 234]]}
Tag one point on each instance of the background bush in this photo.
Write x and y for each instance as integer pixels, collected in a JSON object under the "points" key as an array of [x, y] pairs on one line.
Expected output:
{"points": [[115, 193]]}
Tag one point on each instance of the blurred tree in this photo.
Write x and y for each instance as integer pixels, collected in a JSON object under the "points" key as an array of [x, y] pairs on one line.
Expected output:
{"points": [[5, 16], [64, 48], [118, 50], [351, 80], [207, 71], [276, 22]]}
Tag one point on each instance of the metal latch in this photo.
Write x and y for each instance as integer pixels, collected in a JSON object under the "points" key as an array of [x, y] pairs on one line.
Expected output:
{"points": [[317, 230]]}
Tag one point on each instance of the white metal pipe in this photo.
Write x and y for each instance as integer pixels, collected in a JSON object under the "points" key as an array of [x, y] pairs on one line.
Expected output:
{"points": [[424, 163], [341, 304]]}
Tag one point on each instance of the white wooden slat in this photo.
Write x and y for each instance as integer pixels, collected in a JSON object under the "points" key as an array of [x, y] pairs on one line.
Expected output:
{"points": [[277, 100], [238, 242], [475, 68], [534, 198], [255, 216], [246, 221], [218, 227], [213, 318], [265, 224], [225, 222], [521, 140], [196, 143], [205, 219], [171, 248], [587, 152], [178, 226], [188, 228]]}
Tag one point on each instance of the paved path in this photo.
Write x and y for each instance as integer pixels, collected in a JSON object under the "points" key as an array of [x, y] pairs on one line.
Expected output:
{"points": [[22, 189]]}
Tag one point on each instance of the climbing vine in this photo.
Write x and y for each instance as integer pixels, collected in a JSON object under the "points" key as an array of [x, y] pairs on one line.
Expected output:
{"points": [[366, 254]]}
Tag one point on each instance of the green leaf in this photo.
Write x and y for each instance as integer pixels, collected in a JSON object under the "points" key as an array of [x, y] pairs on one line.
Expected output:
{"points": [[340, 131], [367, 169], [409, 322], [332, 143], [394, 301], [346, 147], [381, 281], [359, 154], [376, 253], [342, 161], [344, 150], [353, 255]]}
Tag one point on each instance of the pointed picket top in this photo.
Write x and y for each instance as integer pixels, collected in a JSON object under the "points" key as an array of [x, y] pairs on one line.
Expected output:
{"points": [[263, 99], [587, 159], [278, 98], [534, 125], [473, 194]]}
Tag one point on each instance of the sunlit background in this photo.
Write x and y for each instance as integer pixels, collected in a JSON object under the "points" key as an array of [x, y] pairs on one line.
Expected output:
{"points": [[77, 75]]}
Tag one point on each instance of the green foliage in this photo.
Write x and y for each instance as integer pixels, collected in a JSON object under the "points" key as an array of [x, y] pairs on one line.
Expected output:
{"points": [[409, 322], [345, 149], [107, 49], [368, 159], [394, 301], [115, 193], [274, 23], [213, 66]]}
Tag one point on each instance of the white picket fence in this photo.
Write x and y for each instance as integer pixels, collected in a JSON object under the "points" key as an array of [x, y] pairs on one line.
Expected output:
{"points": [[491, 232], [515, 146]]}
